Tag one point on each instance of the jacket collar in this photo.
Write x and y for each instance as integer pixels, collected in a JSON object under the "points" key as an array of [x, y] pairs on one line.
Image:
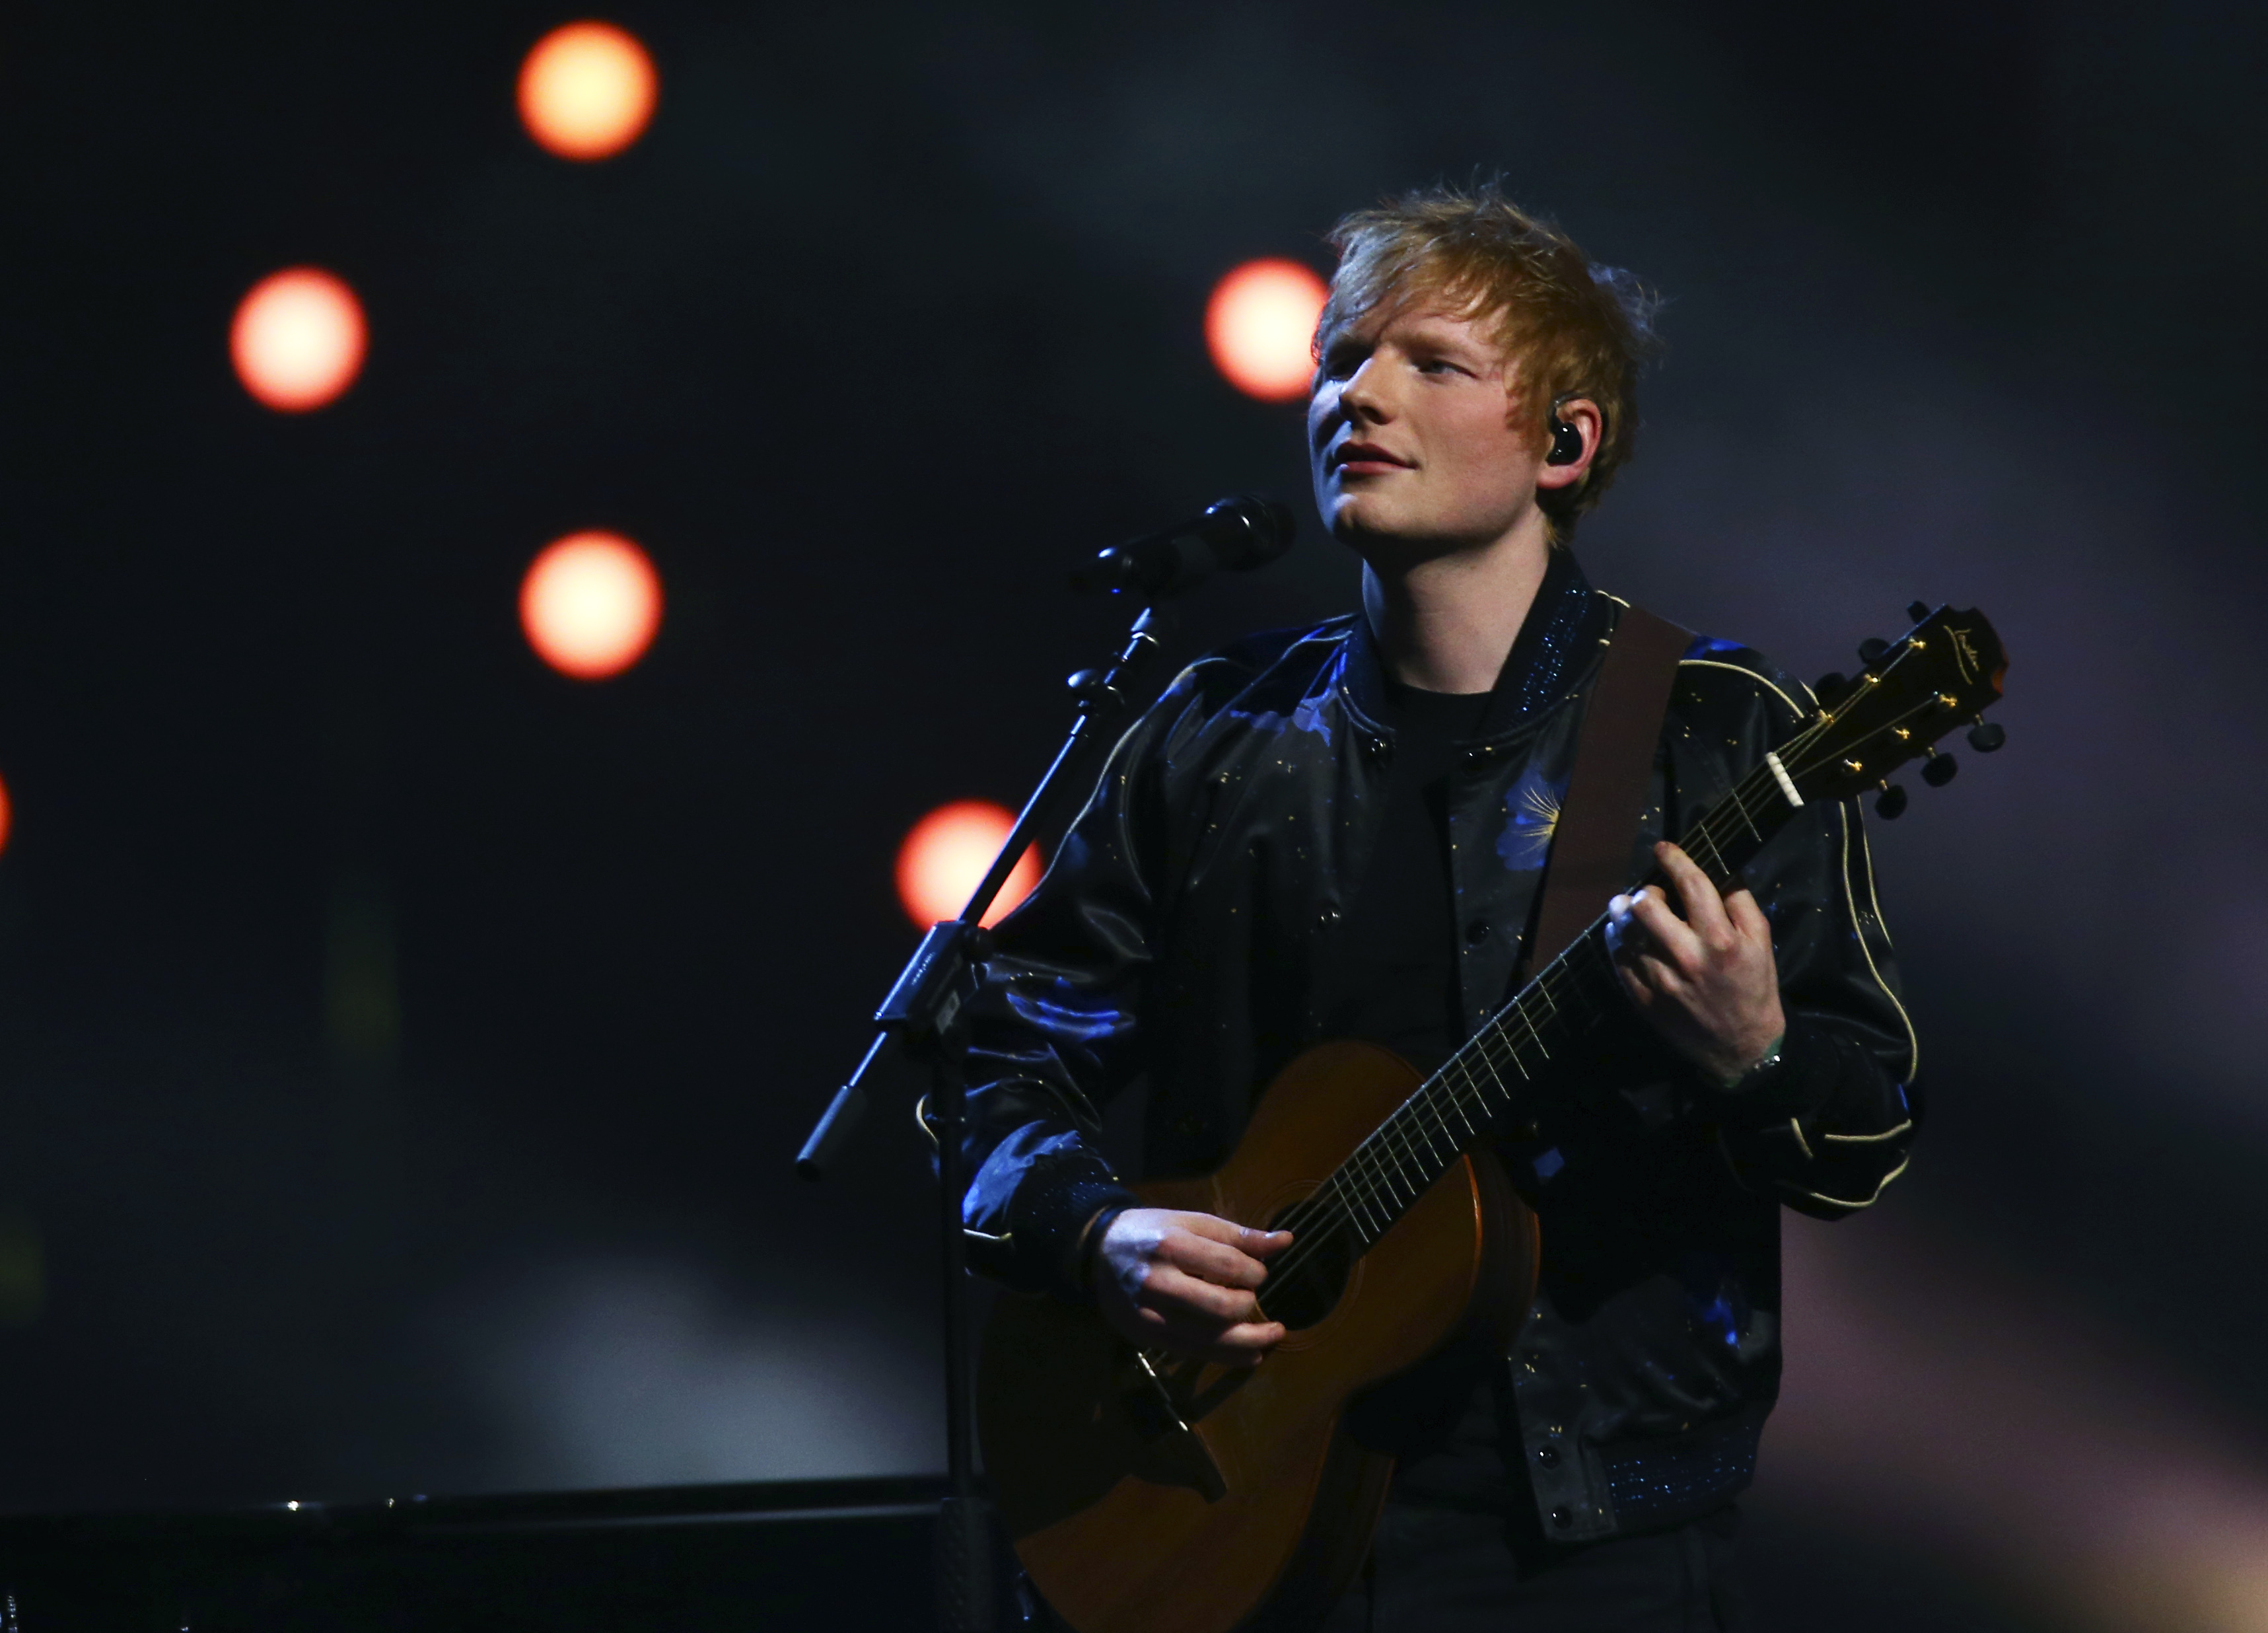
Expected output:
{"points": [[1559, 636]]}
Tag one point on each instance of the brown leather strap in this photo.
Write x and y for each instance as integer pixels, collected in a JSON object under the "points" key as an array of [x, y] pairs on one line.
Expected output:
{"points": [[1598, 820]]}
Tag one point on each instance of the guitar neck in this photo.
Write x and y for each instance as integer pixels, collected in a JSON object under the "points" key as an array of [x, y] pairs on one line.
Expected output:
{"points": [[1497, 1067]]}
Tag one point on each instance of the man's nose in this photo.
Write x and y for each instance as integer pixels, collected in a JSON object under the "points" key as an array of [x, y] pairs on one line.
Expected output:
{"points": [[1360, 396]]}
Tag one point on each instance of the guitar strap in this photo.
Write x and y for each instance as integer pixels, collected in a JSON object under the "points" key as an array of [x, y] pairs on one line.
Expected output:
{"points": [[1590, 855]]}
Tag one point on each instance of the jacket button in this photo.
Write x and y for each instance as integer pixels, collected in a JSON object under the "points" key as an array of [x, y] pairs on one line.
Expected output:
{"points": [[1549, 1456], [1477, 932], [1563, 1517], [1376, 745]]}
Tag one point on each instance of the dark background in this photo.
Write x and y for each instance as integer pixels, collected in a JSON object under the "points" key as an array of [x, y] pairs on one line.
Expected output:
{"points": [[404, 1047]]}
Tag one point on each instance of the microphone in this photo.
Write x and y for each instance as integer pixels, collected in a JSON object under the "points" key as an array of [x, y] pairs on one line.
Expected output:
{"points": [[1238, 533]]}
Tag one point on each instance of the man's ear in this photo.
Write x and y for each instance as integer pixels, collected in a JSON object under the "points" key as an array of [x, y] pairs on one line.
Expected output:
{"points": [[1576, 429]]}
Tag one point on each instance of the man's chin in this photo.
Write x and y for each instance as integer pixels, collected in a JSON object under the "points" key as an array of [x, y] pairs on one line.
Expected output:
{"points": [[1390, 538], [1389, 542], [1361, 519]]}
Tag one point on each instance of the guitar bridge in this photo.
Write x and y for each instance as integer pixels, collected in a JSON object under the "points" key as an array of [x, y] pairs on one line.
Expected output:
{"points": [[1174, 1452], [1149, 1401]]}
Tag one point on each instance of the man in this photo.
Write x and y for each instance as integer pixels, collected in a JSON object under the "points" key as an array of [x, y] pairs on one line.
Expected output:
{"points": [[1342, 833]]}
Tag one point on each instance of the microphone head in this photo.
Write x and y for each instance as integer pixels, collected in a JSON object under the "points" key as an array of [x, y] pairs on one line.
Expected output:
{"points": [[1245, 531], [1242, 532]]}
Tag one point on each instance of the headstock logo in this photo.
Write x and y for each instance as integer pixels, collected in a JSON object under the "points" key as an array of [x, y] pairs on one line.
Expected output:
{"points": [[1965, 651]]}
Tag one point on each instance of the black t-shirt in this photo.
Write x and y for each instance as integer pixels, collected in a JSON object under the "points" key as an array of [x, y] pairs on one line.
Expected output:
{"points": [[1390, 978], [1391, 973]]}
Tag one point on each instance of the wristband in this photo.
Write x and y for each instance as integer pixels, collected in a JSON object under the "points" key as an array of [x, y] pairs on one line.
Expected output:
{"points": [[1090, 1245], [1765, 1063]]}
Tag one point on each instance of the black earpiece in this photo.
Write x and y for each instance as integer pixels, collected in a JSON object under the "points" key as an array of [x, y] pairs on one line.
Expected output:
{"points": [[1566, 444]]}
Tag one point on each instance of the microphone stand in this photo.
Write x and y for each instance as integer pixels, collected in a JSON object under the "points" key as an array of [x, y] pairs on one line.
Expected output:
{"points": [[923, 1015]]}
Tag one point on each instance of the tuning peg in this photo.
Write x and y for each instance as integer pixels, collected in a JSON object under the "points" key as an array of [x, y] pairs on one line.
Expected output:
{"points": [[1870, 649], [1917, 610], [1892, 803], [1829, 685], [1939, 769], [1985, 737]]}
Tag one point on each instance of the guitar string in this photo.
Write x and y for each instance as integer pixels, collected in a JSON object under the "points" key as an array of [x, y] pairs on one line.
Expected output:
{"points": [[1374, 1168]]}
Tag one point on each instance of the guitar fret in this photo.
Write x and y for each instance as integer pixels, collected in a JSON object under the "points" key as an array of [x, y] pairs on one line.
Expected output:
{"points": [[1520, 1010], [1441, 1142], [1421, 1103], [1371, 1225], [1377, 1214], [1399, 1124], [1491, 1042], [1356, 1218], [1365, 1207], [1354, 1181], [1440, 1097], [1379, 1185], [1464, 1112], [1430, 1132], [1740, 804], [1398, 1175]]}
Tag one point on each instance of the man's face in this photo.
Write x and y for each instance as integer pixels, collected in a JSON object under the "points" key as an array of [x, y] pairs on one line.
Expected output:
{"points": [[1410, 437]]}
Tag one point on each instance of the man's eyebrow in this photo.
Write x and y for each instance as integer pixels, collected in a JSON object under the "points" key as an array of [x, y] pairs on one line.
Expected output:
{"points": [[1436, 332]]}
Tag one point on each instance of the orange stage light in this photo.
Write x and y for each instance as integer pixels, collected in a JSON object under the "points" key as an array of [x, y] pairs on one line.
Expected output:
{"points": [[587, 91], [7, 816], [1261, 325], [297, 339], [946, 855], [591, 605]]}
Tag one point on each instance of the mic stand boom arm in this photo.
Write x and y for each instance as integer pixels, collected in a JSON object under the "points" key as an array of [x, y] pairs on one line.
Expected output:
{"points": [[923, 1015]]}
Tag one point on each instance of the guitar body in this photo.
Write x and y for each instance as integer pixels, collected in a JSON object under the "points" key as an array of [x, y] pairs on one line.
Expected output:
{"points": [[1198, 1499]]}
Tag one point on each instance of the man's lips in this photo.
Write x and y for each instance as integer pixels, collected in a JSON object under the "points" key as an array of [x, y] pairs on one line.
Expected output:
{"points": [[1364, 459]]}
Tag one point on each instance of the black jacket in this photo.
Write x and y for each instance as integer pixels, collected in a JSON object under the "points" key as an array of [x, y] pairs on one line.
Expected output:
{"points": [[1179, 935]]}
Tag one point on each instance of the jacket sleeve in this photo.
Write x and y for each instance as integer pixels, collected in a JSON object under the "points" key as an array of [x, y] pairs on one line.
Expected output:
{"points": [[1829, 1124], [1053, 1031]]}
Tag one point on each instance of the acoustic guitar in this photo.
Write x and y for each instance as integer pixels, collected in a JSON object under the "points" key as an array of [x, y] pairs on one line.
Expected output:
{"points": [[1145, 1493]]}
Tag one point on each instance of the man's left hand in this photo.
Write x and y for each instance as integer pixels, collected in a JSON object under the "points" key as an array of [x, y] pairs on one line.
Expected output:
{"points": [[1706, 981]]}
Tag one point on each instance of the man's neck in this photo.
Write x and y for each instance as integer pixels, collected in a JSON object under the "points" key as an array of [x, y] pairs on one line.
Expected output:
{"points": [[1447, 624]]}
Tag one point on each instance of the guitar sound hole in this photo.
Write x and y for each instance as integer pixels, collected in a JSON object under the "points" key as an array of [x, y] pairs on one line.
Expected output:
{"points": [[1306, 1281]]}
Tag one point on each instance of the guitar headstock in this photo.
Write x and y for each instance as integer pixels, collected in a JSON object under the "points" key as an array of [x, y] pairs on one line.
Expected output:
{"points": [[1943, 673]]}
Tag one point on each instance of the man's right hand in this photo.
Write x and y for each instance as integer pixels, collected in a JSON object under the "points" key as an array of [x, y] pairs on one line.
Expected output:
{"points": [[1182, 1282]]}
